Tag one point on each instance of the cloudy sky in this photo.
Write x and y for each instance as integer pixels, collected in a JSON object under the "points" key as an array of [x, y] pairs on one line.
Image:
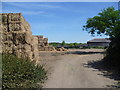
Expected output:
{"points": [[58, 20]]}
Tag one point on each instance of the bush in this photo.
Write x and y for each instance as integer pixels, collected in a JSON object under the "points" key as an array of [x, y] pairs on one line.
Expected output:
{"points": [[113, 54], [21, 73]]}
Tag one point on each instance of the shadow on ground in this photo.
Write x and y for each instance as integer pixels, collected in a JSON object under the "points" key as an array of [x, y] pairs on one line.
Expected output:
{"points": [[83, 52], [105, 69]]}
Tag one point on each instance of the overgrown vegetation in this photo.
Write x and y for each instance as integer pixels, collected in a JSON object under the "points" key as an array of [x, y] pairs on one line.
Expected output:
{"points": [[21, 73], [108, 22]]}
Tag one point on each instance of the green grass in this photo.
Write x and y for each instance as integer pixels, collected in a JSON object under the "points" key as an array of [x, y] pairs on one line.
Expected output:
{"points": [[21, 73]]}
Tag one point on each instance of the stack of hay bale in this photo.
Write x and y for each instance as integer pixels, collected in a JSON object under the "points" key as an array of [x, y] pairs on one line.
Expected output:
{"points": [[61, 49], [43, 44], [17, 37]]}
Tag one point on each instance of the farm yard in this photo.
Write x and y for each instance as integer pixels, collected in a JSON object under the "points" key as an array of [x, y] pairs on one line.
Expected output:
{"points": [[51, 45], [70, 69]]}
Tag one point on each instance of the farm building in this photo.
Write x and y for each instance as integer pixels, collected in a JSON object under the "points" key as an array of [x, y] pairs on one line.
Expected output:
{"points": [[102, 42]]}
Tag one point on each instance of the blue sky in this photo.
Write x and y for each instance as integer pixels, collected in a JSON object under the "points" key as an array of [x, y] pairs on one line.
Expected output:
{"points": [[58, 20]]}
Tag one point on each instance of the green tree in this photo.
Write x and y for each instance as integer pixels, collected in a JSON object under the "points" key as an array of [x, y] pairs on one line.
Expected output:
{"points": [[71, 44], [75, 44], [107, 22], [63, 43]]}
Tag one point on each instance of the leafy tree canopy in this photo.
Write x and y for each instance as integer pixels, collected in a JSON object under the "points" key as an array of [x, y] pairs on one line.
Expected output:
{"points": [[107, 22], [63, 43]]}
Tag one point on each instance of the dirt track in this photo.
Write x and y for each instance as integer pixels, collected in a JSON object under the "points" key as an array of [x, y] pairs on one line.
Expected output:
{"points": [[71, 71]]}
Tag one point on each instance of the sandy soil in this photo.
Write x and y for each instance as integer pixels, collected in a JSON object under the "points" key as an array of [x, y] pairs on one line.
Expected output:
{"points": [[69, 69]]}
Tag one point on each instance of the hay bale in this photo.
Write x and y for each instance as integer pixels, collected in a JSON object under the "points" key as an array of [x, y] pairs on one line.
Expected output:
{"points": [[58, 49], [4, 27], [12, 17], [41, 49], [4, 17], [14, 27], [28, 38], [63, 49], [17, 37]]}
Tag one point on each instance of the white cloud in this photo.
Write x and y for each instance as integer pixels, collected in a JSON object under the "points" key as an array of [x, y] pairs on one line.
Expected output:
{"points": [[31, 8], [34, 6]]}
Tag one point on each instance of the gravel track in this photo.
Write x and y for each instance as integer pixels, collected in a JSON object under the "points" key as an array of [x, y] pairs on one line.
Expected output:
{"points": [[71, 70]]}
